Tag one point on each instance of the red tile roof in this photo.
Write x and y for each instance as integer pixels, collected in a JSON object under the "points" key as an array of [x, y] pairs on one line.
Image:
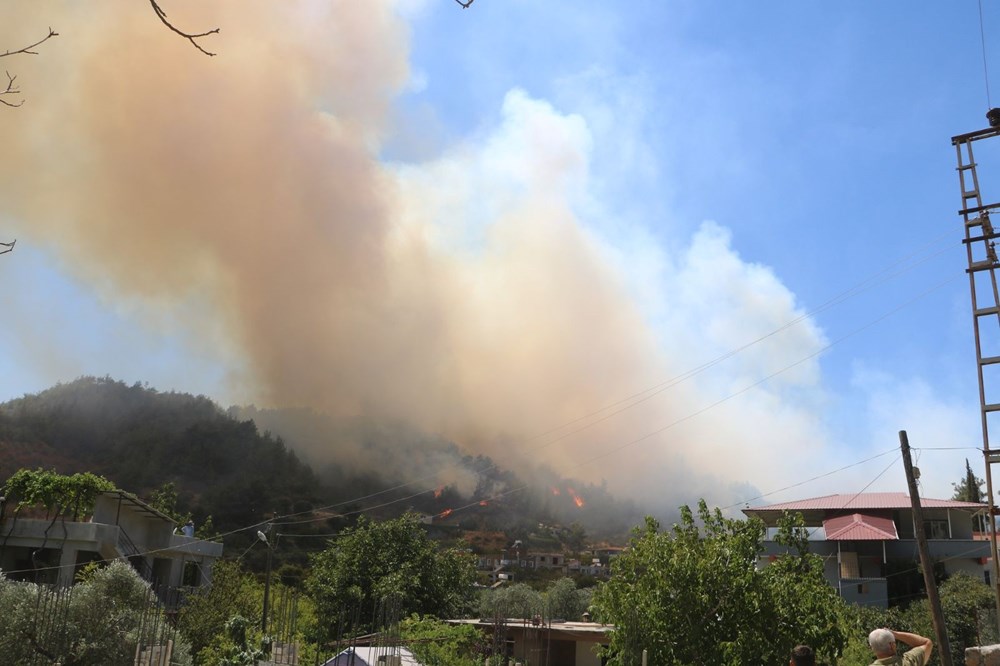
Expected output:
{"points": [[865, 501], [860, 527]]}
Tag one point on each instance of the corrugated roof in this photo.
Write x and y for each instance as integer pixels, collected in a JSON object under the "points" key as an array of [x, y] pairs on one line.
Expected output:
{"points": [[860, 527], [865, 501], [372, 656]]}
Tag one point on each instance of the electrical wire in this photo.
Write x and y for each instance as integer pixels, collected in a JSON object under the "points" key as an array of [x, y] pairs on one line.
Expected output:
{"points": [[859, 288], [649, 435], [867, 486], [277, 521], [653, 433], [869, 282], [815, 478]]}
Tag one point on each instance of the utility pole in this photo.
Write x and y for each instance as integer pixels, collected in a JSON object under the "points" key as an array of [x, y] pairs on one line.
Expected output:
{"points": [[267, 577], [925, 559]]}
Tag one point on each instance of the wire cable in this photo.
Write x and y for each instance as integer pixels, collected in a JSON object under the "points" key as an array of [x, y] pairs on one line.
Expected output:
{"points": [[815, 478], [867, 486], [839, 298], [658, 431], [643, 396], [869, 282]]}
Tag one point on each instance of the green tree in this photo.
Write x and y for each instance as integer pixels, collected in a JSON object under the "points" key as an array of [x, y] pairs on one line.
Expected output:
{"points": [[857, 622], [563, 600], [390, 560], [233, 592], [237, 647], [60, 494], [968, 607], [102, 621], [164, 499], [519, 601], [695, 595], [438, 643], [970, 489]]}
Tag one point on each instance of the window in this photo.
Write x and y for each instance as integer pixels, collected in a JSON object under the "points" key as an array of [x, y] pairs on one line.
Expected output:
{"points": [[849, 565], [936, 529]]}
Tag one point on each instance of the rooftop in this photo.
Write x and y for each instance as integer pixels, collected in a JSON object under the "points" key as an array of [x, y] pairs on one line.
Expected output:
{"points": [[865, 501], [815, 510]]}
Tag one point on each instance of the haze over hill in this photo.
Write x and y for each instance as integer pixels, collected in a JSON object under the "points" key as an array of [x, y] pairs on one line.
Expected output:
{"points": [[241, 464]]}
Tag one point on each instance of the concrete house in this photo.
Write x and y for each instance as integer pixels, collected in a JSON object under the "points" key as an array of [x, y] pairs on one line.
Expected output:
{"points": [[542, 643], [868, 541], [122, 527]]}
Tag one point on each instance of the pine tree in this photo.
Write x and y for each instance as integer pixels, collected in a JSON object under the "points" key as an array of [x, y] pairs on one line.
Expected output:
{"points": [[970, 489]]}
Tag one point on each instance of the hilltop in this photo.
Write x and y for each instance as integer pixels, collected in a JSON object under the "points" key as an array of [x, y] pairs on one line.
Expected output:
{"points": [[242, 463]]}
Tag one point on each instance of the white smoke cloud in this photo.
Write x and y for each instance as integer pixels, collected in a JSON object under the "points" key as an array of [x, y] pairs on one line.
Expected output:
{"points": [[489, 294]]}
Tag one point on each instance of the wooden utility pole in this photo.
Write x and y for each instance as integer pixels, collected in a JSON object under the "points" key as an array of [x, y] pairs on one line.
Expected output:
{"points": [[925, 559]]}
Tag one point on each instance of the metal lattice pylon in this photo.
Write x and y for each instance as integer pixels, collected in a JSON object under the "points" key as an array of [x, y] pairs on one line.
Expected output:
{"points": [[980, 248]]}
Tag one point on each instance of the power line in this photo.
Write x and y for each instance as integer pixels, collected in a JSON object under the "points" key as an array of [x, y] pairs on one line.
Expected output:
{"points": [[859, 288], [815, 478], [873, 280], [658, 431]]}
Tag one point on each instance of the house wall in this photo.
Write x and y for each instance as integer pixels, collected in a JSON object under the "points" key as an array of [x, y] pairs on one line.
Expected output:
{"points": [[971, 567], [857, 571], [586, 654], [865, 592], [556, 644], [65, 542], [69, 543], [956, 524], [533, 647]]}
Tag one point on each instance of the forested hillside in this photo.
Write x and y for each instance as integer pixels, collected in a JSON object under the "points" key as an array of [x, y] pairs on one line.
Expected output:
{"points": [[140, 439], [235, 466]]}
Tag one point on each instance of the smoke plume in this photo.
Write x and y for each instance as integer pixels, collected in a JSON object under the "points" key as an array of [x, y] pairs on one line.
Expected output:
{"points": [[469, 295]]}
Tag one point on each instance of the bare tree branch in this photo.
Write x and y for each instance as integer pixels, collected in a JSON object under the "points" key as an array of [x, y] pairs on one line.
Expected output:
{"points": [[10, 90], [9, 246], [28, 49], [466, 4], [191, 37]]}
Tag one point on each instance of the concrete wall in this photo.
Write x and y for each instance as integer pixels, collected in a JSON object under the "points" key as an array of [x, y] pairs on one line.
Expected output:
{"points": [[865, 592], [987, 655], [586, 654], [67, 540]]}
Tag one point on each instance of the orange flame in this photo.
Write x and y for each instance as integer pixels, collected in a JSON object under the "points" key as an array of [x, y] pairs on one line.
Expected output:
{"points": [[437, 493], [483, 503], [445, 513], [576, 498], [555, 491]]}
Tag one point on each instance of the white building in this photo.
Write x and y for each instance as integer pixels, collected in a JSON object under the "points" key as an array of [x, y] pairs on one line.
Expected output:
{"points": [[122, 527]]}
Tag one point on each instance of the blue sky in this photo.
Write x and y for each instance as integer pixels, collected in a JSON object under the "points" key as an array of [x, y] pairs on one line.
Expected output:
{"points": [[569, 203]]}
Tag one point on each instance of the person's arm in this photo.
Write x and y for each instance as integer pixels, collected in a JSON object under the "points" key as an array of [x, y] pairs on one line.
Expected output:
{"points": [[915, 640]]}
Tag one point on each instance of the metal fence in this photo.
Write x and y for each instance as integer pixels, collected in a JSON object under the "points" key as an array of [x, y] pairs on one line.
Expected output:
{"points": [[150, 637]]}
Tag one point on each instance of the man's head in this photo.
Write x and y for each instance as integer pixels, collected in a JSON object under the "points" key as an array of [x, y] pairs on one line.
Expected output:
{"points": [[882, 643], [803, 655]]}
